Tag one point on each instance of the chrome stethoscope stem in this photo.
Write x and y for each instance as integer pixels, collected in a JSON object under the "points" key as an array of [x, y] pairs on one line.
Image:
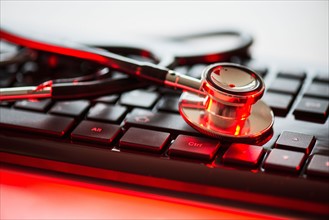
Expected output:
{"points": [[27, 92]]}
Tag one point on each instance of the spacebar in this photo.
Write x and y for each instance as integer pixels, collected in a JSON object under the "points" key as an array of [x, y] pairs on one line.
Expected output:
{"points": [[35, 122]]}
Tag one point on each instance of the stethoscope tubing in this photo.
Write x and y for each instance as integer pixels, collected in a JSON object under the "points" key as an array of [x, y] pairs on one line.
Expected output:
{"points": [[149, 72]]}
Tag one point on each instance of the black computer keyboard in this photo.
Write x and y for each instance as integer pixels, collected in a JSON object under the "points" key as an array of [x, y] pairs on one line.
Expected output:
{"points": [[138, 137]]}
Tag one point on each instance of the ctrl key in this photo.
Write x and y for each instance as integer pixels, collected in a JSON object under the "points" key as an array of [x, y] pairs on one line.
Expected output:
{"points": [[95, 132], [194, 147]]}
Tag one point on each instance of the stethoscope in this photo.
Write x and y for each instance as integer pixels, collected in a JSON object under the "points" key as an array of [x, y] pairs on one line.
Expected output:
{"points": [[224, 104]]}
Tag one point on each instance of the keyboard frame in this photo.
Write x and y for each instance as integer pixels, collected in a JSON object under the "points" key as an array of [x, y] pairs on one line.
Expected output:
{"points": [[189, 177]]}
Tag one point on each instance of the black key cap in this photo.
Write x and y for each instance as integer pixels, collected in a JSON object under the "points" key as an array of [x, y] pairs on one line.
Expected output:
{"points": [[322, 77], [283, 85], [243, 154], [296, 142], [7, 75], [312, 109], [169, 104], [279, 103], [6, 104], [194, 147], [321, 146], [30, 74], [317, 89], [35, 122], [182, 69], [110, 99], [139, 98], [258, 67], [293, 73], [196, 70], [70, 108], [95, 132], [167, 122], [107, 113], [284, 160], [142, 139], [36, 105], [318, 166]]}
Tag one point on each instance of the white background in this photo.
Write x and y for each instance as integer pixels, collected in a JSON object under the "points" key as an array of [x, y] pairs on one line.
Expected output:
{"points": [[289, 30]]}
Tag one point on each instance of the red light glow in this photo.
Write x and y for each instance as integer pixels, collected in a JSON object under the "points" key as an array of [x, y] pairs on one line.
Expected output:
{"points": [[223, 193], [52, 61], [63, 198], [211, 58]]}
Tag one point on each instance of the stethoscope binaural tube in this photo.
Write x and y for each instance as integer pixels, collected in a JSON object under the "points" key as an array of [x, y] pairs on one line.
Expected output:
{"points": [[144, 70], [224, 104]]}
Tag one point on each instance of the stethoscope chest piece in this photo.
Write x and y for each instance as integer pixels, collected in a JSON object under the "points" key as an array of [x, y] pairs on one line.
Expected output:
{"points": [[231, 107]]}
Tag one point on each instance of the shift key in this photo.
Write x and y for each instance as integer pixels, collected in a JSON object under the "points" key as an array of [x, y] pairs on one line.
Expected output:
{"points": [[35, 122]]}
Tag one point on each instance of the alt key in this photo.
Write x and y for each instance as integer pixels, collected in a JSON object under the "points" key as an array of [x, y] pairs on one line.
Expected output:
{"points": [[95, 132]]}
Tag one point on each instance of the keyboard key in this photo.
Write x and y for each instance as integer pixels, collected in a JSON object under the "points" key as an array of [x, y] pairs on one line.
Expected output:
{"points": [[194, 147], [321, 146], [139, 98], [35, 122], [283, 85], [296, 142], [284, 160], [292, 73], [95, 132], [142, 139], [30, 74], [40, 105], [107, 113], [322, 77], [243, 154], [279, 103], [312, 109], [110, 99], [196, 70], [182, 69], [318, 166], [6, 104], [70, 108], [169, 104], [167, 122], [258, 67], [7, 75], [317, 89]]}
